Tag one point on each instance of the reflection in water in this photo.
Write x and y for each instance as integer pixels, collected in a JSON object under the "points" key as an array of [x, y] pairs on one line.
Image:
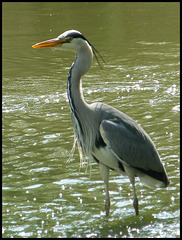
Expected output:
{"points": [[44, 194]]}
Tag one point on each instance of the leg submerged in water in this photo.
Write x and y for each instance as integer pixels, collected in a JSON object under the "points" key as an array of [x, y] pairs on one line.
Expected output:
{"points": [[105, 176]]}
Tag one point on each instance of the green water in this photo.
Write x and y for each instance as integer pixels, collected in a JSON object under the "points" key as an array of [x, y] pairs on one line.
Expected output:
{"points": [[44, 194]]}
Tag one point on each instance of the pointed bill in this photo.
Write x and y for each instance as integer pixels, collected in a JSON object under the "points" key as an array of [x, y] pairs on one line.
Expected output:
{"points": [[49, 43]]}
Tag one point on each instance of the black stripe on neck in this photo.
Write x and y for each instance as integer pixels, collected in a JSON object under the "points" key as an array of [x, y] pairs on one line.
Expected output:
{"points": [[71, 101]]}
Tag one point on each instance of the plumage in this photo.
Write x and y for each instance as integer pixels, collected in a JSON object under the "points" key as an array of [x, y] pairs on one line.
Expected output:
{"points": [[113, 139]]}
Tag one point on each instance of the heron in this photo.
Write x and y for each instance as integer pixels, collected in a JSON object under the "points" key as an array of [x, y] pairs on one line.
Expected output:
{"points": [[110, 137]]}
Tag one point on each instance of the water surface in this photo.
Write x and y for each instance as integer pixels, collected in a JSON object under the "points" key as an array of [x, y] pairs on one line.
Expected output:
{"points": [[45, 192]]}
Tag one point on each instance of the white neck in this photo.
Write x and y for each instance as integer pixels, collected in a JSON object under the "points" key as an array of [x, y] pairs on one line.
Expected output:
{"points": [[79, 108], [79, 68]]}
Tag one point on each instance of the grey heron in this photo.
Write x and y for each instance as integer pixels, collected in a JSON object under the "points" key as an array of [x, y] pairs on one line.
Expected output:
{"points": [[104, 133]]}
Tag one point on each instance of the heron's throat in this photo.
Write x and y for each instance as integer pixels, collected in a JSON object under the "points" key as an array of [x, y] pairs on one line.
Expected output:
{"points": [[74, 90], [79, 68], [79, 108]]}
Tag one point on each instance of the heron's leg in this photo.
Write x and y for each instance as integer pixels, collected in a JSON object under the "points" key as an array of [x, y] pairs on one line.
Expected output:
{"points": [[107, 202], [105, 176], [131, 174], [135, 202]]}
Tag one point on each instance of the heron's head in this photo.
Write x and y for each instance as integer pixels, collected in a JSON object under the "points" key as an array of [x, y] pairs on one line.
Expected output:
{"points": [[71, 39]]}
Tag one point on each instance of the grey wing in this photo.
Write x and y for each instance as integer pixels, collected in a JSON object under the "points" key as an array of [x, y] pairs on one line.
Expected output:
{"points": [[132, 146]]}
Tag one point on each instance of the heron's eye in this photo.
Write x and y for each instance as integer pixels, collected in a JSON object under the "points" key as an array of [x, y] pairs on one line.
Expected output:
{"points": [[70, 39]]}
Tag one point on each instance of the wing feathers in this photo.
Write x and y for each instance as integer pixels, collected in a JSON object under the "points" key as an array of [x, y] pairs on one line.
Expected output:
{"points": [[131, 144]]}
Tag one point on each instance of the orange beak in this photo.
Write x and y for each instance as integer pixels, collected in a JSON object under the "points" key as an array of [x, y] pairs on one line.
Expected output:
{"points": [[49, 43]]}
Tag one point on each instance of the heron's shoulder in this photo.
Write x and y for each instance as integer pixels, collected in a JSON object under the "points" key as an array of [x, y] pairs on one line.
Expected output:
{"points": [[110, 116], [103, 107], [109, 112]]}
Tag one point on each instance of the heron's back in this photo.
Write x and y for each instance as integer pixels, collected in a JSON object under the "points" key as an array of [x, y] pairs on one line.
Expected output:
{"points": [[118, 135]]}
